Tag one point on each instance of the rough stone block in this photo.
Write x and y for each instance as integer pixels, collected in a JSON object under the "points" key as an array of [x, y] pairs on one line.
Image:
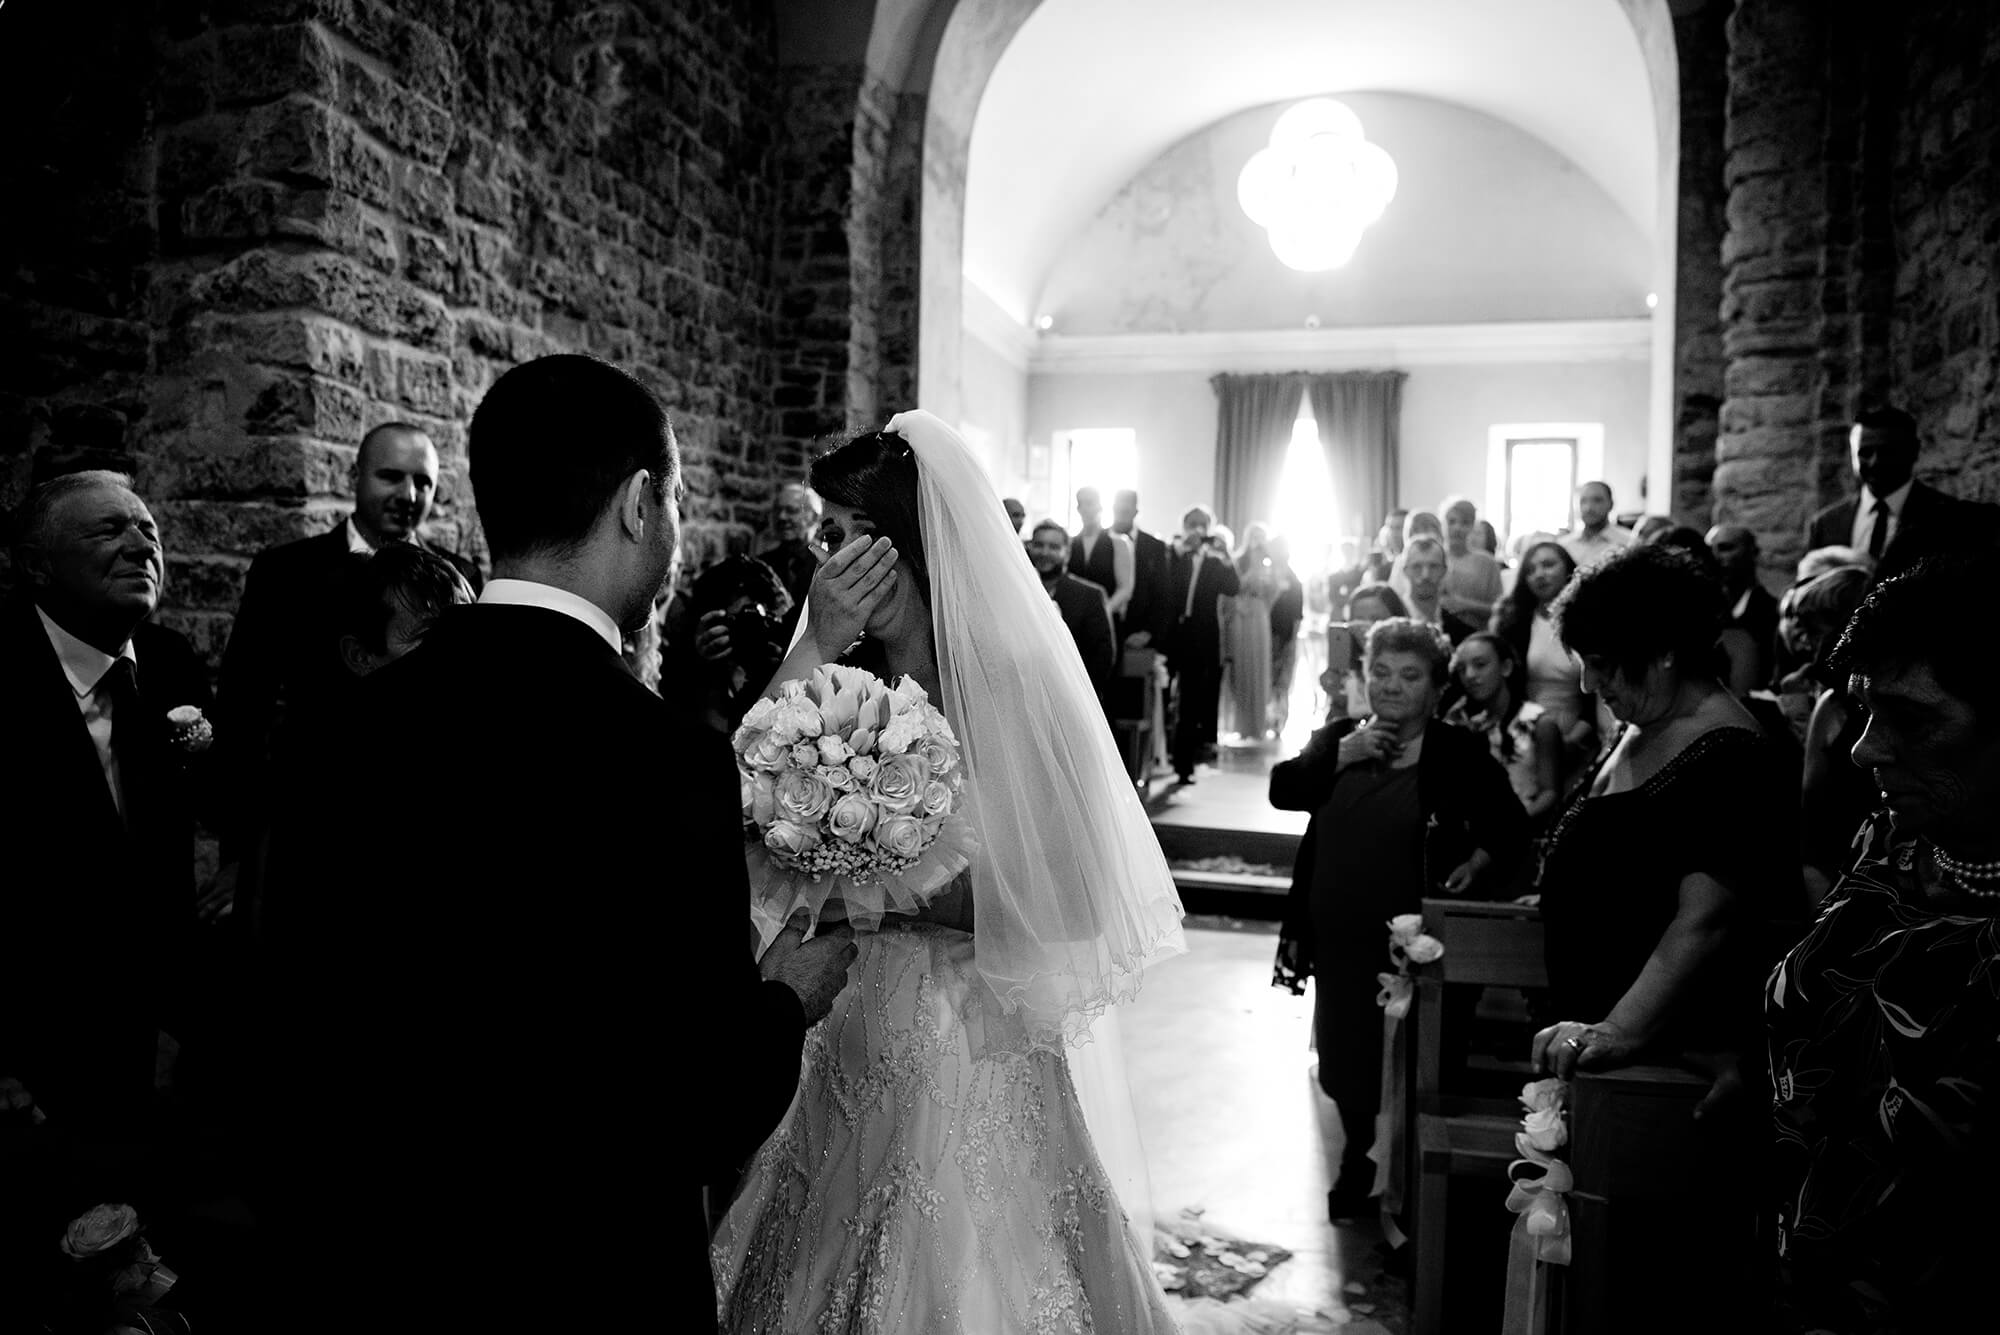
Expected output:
{"points": [[257, 63], [334, 285], [238, 529]]}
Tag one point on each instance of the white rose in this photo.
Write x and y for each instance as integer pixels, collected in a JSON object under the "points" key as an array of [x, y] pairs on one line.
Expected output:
{"points": [[803, 796], [862, 768], [938, 754], [937, 799], [769, 753], [759, 717], [98, 1230], [763, 801], [900, 836], [899, 783], [832, 751], [803, 718], [1539, 1095], [851, 819], [837, 778], [789, 839], [192, 732], [805, 756], [1424, 949], [1544, 1130], [1405, 926], [907, 689]]}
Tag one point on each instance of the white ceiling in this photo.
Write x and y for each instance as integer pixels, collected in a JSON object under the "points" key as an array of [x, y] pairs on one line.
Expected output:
{"points": [[1090, 91]]}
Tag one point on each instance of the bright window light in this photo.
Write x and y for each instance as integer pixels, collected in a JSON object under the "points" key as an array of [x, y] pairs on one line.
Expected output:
{"points": [[1103, 457], [1306, 513], [1316, 186]]}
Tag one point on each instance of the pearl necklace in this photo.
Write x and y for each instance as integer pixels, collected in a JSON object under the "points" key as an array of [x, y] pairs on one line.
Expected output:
{"points": [[1981, 880]]}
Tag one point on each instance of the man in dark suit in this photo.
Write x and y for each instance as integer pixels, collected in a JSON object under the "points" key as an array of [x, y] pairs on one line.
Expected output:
{"points": [[283, 663], [99, 806], [1081, 603], [1894, 519], [1149, 615], [1100, 555], [1752, 607], [534, 1000], [1198, 573]]}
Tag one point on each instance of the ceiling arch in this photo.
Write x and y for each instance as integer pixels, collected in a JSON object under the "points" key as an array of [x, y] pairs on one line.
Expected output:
{"points": [[1090, 91]]}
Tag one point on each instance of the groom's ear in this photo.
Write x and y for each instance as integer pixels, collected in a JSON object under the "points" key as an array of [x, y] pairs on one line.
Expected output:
{"points": [[633, 500]]}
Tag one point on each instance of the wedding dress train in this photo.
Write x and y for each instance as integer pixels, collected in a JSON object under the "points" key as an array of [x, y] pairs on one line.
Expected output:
{"points": [[933, 1176]]}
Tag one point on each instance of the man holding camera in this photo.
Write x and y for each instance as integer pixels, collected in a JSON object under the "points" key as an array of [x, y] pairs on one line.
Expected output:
{"points": [[1199, 573]]}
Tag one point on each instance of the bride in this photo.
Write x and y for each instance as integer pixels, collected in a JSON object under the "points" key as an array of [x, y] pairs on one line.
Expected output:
{"points": [[935, 1172]]}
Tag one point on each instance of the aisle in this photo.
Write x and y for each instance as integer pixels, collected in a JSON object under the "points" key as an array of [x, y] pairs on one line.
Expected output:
{"points": [[1223, 1082]]}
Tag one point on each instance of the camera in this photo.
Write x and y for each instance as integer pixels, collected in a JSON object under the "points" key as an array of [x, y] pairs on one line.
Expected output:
{"points": [[754, 632]]}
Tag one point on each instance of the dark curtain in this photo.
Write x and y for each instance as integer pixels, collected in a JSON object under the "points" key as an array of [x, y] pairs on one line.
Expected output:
{"points": [[1253, 428], [1359, 415]]}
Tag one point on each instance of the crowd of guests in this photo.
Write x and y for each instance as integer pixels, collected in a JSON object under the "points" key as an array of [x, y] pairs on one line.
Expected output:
{"points": [[1761, 831]]}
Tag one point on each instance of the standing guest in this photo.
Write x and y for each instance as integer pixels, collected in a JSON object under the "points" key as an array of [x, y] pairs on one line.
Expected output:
{"points": [[1017, 513], [1343, 681], [1403, 806], [1081, 603], [1150, 612], [1893, 518], [1551, 677], [1199, 576], [744, 619], [1472, 582], [1486, 538], [1836, 797], [793, 555], [1521, 735], [1288, 609], [600, 821], [1416, 524], [283, 666], [1882, 1023], [1100, 555], [1424, 571], [1753, 609], [1247, 637], [97, 914], [1663, 872], [1595, 536]]}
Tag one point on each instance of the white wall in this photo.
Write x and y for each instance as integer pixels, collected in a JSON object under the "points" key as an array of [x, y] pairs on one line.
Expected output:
{"points": [[993, 402], [1446, 413]]}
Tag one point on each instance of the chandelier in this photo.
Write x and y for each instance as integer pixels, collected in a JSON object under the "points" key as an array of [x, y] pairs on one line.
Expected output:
{"points": [[1316, 186]]}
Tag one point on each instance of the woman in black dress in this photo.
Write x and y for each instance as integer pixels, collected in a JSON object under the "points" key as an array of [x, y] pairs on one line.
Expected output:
{"points": [[1665, 869], [1403, 806], [1884, 1022]]}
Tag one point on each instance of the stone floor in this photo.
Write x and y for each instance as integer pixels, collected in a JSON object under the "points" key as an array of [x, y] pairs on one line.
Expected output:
{"points": [[1235, 1127]]}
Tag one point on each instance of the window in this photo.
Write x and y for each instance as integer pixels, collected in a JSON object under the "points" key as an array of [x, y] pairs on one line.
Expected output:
{"points": [[1306, 513], [1106, 458], [1532, 472]]}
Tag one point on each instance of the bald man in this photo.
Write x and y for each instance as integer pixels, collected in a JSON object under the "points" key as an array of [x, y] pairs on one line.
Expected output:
{"points": [[1752, 608], [283, 662]]}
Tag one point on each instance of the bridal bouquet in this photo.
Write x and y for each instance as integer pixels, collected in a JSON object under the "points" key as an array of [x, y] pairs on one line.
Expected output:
{"points": [[851, 794]]}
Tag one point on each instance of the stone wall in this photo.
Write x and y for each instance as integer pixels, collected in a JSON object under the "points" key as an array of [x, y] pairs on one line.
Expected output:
{"points": [[1863, 176], [272, 223], [1701, 49]]}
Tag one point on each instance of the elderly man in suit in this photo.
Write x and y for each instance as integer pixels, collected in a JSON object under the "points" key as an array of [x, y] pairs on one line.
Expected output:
{"points": [[1894, 518], [98, 813], [1081, 602], [1199, 573]]}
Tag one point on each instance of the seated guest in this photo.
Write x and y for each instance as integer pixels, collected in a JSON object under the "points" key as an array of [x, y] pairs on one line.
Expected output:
{"points": [[390, 600], [1403, 806], [1472, 581], [1344, 682], [742, 610], [1663, 871], [1521, 735], [1882, 1021], [1424, 569], [1595, 536], [1836, 796], [1081, 602], [1550, 677]]}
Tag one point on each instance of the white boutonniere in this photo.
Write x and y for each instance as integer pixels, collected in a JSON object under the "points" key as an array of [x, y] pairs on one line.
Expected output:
{"points": [[189, 730]]}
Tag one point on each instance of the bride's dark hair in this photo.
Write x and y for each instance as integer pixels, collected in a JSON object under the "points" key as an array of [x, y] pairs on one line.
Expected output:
{"points": [[876, 473]]}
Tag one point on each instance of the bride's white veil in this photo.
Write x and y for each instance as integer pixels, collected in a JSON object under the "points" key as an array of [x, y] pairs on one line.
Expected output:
{"points": [[1072, 898]]}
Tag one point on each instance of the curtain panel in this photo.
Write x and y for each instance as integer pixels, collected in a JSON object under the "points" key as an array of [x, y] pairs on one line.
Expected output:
{"points": [[1359, 414], [1254, 421]]}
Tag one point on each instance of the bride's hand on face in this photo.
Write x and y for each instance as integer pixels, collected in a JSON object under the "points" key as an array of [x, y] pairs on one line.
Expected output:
{"points": [[848, 592]]}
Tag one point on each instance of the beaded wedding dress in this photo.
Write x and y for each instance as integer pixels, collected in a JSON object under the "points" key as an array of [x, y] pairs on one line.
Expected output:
{"points": [[935, 1175]]}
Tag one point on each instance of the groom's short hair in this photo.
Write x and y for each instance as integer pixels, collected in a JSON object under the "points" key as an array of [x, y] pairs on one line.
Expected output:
{"points": [[552, 442]]}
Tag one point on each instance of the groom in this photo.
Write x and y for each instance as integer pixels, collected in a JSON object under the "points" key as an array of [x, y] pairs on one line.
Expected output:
{"points": [[530, 1021]]}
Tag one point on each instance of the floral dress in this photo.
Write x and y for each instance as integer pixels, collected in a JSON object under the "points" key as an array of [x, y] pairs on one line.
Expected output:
{"points": [[1884, 1031]]}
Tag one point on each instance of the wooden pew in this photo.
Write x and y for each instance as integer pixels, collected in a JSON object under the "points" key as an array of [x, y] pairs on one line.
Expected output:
{"points": [[1457, 1134]]}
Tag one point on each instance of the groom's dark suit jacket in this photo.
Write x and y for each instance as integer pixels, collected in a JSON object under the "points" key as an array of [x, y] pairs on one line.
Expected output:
{"points": [[96, 914], [522, 1017]]}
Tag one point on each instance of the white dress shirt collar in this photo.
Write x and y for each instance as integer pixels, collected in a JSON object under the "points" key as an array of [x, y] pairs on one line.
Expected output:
{"points": [[1896, 499], [84, 664], [527, 593]]}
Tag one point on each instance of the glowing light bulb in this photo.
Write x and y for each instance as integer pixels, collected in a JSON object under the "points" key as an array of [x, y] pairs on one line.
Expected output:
{"points": [[1316, 186]]}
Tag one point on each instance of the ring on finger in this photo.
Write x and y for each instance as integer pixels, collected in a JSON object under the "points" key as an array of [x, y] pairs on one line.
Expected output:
{"points": [[1573, 1041]]}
